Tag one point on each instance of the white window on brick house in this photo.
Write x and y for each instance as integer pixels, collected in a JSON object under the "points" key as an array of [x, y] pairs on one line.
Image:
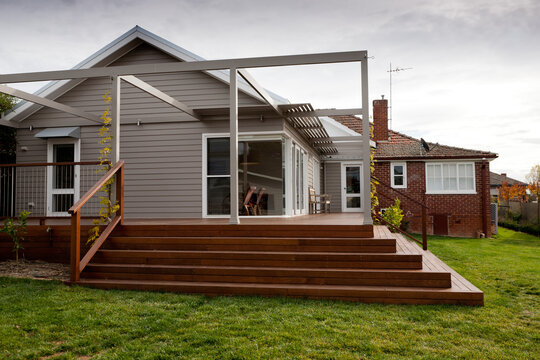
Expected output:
{"points": [[398, 174], [450, 178]]}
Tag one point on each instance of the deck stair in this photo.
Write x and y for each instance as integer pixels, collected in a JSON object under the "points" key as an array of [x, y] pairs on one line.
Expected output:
{"points": [[346, 262]]}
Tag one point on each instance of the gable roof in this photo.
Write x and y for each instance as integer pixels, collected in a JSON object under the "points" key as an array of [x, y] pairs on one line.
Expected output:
{"points": [[401, 147], [111, 52], [498, 179]]}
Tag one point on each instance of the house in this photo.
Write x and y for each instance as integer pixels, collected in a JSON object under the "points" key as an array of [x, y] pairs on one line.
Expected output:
{"points": [[178, 164], [452, 182], [497, 180], [211, 174]]}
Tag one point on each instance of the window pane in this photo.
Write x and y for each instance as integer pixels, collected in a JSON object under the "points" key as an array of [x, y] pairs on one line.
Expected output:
{"points": [[353, 202], [218, 196], [353, 179], [434, 182], [398, 170], [63, 175], [218, 156], [261, 165], [398, 180], [62, 202]]}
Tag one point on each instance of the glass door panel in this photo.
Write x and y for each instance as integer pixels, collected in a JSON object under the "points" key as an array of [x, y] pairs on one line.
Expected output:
{"points": [[351, 179]]}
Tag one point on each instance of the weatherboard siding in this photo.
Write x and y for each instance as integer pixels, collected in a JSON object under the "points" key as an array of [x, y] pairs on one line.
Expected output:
{"points": [[163, 164], [332, 181], [195, 89]]}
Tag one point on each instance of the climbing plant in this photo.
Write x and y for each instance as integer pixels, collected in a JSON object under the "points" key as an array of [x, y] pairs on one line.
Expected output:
{"points": [[108, 208], [374, 183]]}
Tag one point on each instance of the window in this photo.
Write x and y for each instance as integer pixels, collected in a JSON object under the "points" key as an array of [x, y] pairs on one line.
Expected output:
{"points": [[62, 180], [398, 174], [450, 178], [260, 165]]}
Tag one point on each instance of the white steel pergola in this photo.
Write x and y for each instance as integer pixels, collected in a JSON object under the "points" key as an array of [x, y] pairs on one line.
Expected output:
{"points": [[235, 67]]}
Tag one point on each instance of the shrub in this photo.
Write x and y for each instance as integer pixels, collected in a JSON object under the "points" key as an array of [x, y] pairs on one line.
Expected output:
{"points": [[394, 214], [16, 231], [533, 229]]}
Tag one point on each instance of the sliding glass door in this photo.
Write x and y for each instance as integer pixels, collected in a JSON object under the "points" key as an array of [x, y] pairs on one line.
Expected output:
{"points": [[260, 177]]}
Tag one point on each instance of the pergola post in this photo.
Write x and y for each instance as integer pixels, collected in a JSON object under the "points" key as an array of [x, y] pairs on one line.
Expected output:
{"points": [[115, 116], [233, 140], [365, 144]]}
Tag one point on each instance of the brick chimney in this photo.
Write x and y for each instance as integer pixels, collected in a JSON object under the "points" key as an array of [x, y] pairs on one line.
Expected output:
{"points": [[380, 119], [504, 178]]}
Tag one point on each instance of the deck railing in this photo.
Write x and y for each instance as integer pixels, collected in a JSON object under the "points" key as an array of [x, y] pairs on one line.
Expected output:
{"points": [[46, 189], [413, 200], [78, 264]]}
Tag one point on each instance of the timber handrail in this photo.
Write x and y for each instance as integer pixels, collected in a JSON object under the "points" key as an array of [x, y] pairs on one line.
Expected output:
{"points": [[399, 192], [422, 205], [78, 265]]}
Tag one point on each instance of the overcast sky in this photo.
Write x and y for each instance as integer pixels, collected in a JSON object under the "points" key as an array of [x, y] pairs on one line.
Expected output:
{"points": [[474, 82]]}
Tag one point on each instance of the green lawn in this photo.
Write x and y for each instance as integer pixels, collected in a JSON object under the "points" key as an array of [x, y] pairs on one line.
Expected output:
{"points": [[43, 318]]}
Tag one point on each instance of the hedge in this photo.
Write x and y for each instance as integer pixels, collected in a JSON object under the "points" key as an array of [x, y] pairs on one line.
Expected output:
{"points": [[533, 229]]}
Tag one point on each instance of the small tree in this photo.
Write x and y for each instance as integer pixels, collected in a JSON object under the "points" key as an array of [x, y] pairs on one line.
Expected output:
{"points": [[534, 187], [16, 231]]}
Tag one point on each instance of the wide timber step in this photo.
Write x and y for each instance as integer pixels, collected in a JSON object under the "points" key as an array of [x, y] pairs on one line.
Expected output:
{"points": [[287, 230], [251, 243], [345, 262], [261, 258], [379, 294], [270, 275]]}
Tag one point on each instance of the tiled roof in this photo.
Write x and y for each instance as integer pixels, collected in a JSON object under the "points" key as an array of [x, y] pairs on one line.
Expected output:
{"points": [[497, 180], [401, 146]]}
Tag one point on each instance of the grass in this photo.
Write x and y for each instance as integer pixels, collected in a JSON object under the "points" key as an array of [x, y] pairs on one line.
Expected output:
{"points": [[41, 319]]}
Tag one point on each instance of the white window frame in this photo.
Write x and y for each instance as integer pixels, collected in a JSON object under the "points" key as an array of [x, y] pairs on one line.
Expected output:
{"points": [[243, 136], [392, 175], [76, 171], [458, 191]]}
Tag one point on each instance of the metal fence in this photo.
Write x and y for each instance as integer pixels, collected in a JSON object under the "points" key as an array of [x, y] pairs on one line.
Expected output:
{"points": [[47, 189]]}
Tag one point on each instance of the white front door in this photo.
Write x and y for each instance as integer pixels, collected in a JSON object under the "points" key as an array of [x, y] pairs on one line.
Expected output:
{"points": [[351, 187], [62, 180]]}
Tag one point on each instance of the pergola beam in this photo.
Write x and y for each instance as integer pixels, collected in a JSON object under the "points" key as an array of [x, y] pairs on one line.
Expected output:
{"points": [[49, 103], [324, 112], [144, 86], [261, 91], [204, 65]]}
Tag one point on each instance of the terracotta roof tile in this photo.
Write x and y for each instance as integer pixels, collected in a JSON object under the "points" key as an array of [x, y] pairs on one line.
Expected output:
{"points": [[403, 146]]}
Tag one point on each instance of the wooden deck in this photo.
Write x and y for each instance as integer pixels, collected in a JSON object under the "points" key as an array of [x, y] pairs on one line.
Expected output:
{"points": [[322, 257]]}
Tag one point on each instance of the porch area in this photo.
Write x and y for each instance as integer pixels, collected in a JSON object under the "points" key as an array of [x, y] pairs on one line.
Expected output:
{"points": [[324, 256]]}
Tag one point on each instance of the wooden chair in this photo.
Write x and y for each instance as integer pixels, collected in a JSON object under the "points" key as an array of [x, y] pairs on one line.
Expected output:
{"points": [[257, 208], [246, 204], [319, 202]]}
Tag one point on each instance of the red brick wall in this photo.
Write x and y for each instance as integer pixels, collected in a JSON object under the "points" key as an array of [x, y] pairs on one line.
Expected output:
{"points": [[464, 210], [380, 120]]}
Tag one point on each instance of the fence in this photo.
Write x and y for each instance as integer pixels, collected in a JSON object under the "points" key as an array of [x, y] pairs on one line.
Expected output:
{"points": [[47, 189]]}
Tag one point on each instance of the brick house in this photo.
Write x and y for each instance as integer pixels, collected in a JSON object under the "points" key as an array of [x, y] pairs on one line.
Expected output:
{"points": [[453, 182]]}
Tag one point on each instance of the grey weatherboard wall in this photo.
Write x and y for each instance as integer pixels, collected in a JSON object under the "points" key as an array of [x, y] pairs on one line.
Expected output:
{"points": [[164, 154]]}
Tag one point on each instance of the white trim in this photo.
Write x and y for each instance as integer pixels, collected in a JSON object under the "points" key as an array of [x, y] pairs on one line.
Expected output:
{"points": [[404, 166], [446, 192], [76, 181], [344, 186]]}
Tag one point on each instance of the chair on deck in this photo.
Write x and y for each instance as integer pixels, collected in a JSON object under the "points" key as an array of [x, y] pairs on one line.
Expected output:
{"points": [[246, 204], [256, 208], [319, 202]]}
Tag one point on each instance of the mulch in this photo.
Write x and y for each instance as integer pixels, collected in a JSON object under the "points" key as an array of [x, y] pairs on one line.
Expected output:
{"points": [[34, 270]]}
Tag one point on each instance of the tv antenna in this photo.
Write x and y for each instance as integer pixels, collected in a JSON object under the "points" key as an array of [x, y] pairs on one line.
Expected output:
{"points": [[397, 69]]}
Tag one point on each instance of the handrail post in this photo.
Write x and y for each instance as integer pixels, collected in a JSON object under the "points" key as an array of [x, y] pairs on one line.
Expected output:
{"points": [[424, 228], [120, 193], [75, 246]]}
